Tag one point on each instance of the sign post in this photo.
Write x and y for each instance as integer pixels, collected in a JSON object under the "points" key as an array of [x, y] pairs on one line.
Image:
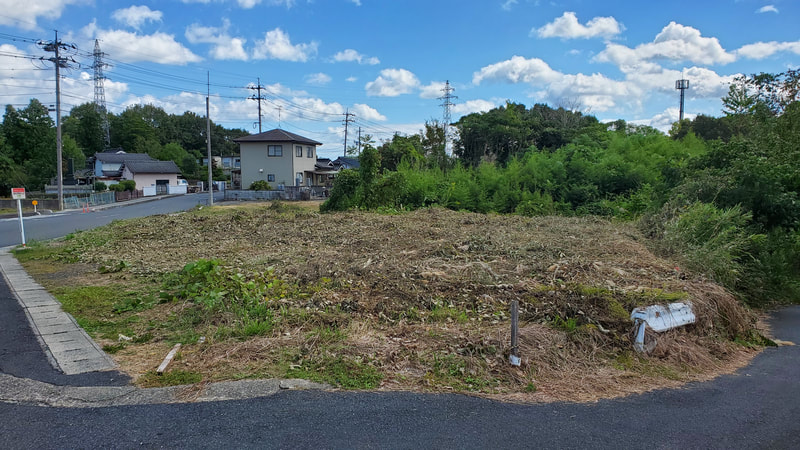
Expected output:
{"points": [[18, 194]]}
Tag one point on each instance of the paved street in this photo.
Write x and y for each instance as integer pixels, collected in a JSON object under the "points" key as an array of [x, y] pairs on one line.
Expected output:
{"points": [[49, 226]]}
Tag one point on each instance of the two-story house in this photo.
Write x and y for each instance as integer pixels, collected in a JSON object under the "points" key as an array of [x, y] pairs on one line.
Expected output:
{"points": [[278, 157]]}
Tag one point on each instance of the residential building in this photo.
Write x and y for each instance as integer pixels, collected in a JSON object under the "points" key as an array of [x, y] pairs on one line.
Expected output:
{"points": [[278, 157], [152, 173], [109, 164]]}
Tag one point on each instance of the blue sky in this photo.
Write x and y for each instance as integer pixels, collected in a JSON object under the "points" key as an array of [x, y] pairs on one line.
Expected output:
{"points": [[386, 61]]}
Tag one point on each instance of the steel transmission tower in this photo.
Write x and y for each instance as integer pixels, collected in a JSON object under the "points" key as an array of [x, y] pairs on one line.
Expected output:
{"points": [[99, 91], [447, 103], [682, 85]]}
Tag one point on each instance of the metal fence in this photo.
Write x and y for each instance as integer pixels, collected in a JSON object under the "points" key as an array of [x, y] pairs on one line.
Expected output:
{"points": [[290, 193], [98, 198]]}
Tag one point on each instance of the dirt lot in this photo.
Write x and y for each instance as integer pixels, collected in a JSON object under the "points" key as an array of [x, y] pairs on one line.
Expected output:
{"points": [[412, 301]]}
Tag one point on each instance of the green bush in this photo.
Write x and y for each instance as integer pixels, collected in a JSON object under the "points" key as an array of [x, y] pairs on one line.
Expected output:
{"points": [[345, 192], [99, 186], [116, 187], [260, 185], [711, 240]]}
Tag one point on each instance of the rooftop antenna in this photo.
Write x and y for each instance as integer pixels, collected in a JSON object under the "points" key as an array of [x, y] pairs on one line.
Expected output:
{"points": [[682, 85]]}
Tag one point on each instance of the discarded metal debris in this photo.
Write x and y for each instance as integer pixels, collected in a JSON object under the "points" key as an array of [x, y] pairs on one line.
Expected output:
{"points": [[659, 318]]}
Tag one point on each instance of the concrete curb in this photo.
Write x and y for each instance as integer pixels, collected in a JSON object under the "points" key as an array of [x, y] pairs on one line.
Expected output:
{"points": [[30, 392], [66, 344]]}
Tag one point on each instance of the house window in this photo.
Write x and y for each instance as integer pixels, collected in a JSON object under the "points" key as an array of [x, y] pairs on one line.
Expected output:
{"points": [[309, 152], [271, 177], [298, 151], [274, 150]]}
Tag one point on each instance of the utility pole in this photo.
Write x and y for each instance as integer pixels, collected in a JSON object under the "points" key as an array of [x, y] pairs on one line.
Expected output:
{"points": [[99, 91], [447, 100], [258, 98], [55, 46], [348, 118], [682, 85], [279, 115], [208, 143], [358, 143]]}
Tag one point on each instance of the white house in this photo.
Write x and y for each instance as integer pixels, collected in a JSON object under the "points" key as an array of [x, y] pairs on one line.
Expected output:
{"points": [[158, 175], [278, 157]]}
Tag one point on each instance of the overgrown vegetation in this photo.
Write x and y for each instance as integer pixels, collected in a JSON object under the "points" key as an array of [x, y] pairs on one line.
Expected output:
{"points": [[363, 300], [719, 194]]}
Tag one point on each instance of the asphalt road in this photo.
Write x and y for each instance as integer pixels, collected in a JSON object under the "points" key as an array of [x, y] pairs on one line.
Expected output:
{"points": [[49, 226], [758, 407]]}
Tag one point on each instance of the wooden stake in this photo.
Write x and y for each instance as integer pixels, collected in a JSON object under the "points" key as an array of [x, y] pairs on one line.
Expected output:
{"points": [[168, 359]]}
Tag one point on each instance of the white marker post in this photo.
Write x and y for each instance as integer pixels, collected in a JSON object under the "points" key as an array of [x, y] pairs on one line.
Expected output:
{"points": [[18, 194]]}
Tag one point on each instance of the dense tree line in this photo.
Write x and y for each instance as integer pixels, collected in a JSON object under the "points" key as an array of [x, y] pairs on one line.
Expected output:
{"points": [[721, 193], [28, 140]]}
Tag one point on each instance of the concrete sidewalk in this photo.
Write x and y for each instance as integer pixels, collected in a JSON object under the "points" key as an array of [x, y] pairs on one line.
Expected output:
{"points": [[66, 344]]}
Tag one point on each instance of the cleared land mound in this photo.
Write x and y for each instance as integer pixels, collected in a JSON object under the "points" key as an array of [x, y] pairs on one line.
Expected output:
{"points": [[413, 301]]}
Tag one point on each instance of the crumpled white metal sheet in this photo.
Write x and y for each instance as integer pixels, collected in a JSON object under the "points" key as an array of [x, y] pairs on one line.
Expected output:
{"points": [[660, 318]]}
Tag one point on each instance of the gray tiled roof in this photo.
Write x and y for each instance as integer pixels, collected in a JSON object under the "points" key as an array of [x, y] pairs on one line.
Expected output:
{"points": [[277, 135], [152, 166], [121, 157]]}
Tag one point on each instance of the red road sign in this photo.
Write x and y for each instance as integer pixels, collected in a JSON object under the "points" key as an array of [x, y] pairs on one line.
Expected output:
{"points": [[18, 193]]}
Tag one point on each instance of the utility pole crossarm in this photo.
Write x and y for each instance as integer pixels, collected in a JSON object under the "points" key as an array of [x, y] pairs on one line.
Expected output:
{"points": [[257, 97]]}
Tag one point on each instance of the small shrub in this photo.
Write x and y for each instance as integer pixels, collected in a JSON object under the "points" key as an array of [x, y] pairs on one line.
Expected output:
{"points": [[99, 186], [260, 185]]}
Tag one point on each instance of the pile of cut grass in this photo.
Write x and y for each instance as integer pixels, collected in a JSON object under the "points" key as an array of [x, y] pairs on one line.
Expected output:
{"points": [[413, 301]]}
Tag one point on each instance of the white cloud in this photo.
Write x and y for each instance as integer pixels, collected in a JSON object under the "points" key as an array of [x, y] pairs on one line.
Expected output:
{"points": [[509, 4], [318, 78], [473, 106], [136, 16], [663, 121], [516, 70], [356, 2], [225, 46], [433, 90], [351, 55], [248, 4], [351, 79], [132, 47], [392, 82], [568, 27], [767, 8], [277, 45], [761, 50], [367, 112], [675, 42], [597, 92], [25, 16]]}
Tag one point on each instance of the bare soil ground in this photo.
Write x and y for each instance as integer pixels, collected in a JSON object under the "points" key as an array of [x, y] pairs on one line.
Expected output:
{"points": [[414, 301]]}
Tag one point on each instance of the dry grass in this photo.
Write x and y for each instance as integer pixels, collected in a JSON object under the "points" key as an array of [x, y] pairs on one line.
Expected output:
{"points": [[422, 299]]}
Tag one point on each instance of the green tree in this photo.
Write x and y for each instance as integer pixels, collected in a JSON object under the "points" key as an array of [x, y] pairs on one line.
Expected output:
{"points": [[85, 125]]}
